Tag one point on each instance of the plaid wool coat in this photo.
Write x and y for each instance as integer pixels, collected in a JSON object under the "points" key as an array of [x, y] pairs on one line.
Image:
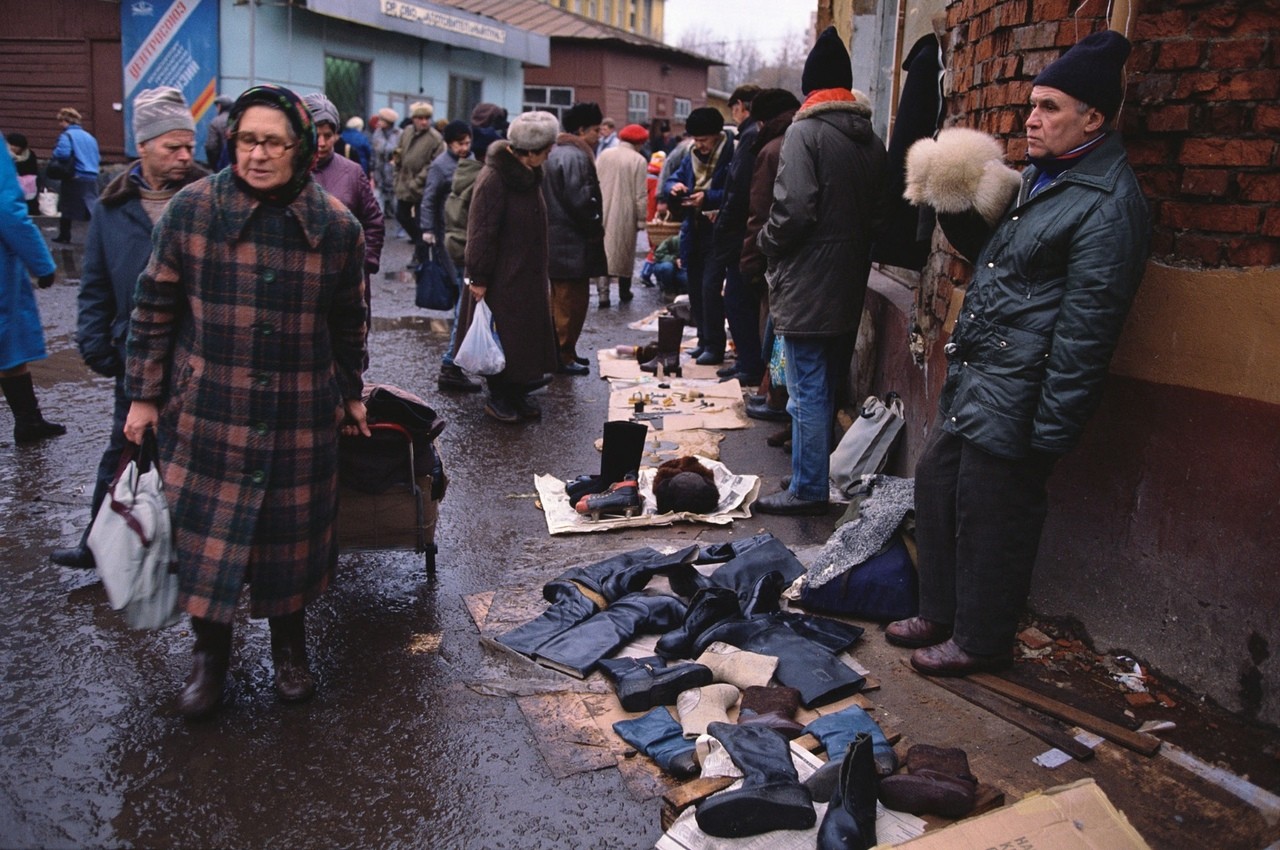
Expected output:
{"points": [[249, 329]]}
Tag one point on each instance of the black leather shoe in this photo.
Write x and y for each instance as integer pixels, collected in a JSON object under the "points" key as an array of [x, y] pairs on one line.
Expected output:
{"points": [[573, 368], [453, 378], [786, 503], [765, 413], [710, 358], [77, 557], [502, 410], [727, 371]]}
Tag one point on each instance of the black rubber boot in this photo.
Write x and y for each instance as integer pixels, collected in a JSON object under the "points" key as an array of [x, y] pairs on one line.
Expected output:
{"points": [[670, 335], [621, 452], [771, 796], [294, 682], [709, 607], [624, 289], [850, 822], [578, 650], [569, 607], [642, 683], [209, 661], [28, 425], [629, 572]]}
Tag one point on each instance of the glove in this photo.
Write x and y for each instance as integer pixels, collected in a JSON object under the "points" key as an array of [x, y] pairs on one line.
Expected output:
{"points": [[429, 238], [45, 281]]}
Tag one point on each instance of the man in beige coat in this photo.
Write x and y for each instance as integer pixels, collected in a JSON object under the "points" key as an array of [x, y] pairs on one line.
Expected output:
{"points": [[623, 171]]}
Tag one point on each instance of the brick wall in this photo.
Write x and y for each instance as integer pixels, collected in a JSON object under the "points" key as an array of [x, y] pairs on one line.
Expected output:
{"points": [[1201, 118]]}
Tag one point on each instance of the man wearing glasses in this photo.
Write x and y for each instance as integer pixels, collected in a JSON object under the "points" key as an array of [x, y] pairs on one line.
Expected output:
{"points": [[245, 353]]}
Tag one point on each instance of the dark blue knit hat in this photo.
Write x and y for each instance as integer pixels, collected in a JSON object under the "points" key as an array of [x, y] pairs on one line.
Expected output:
{"points": [[828, 65], [1092, 71]]}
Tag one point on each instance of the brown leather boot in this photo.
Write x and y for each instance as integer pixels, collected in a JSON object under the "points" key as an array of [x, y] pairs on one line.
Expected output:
{"points": [[294, 682], [210, 657]]}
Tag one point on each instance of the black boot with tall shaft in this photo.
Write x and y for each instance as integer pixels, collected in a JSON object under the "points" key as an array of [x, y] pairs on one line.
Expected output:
{"points": [[209, 660], [28, 425], [670, 334]]}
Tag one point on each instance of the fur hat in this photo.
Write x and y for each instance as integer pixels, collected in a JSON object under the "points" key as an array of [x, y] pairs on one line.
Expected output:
{"points": [[1092, 71], [685, 485], [159, 110], [533, 131], [456, 131], [389, 116], [704, 121], [421, 109], [961, 170], [771, 103], [634, 133], [584, 114], [69, 114], [828, 65], [322, 109], [355, 122]]}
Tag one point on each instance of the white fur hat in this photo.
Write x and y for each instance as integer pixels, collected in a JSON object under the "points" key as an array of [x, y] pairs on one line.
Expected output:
{"points": [[533, 131]]}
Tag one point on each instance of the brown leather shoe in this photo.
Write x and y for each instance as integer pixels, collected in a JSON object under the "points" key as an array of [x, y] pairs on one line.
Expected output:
{"points": [[203, 690], [916, 632], [948, 659]]}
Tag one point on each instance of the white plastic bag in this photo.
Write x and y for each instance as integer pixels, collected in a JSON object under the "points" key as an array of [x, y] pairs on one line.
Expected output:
{"points": [[48, 202], [132, 543], [481, 351]]}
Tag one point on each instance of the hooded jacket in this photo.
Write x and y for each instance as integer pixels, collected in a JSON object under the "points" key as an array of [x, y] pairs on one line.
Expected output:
{"points": [[827, 201], [1052, 285]]}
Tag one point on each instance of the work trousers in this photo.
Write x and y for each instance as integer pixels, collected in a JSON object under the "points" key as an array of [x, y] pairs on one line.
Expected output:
{"points": [[569, 301], [978, 524]]}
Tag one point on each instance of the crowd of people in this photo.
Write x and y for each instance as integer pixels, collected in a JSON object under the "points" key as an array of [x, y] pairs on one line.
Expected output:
{"points": [[231, 307]]}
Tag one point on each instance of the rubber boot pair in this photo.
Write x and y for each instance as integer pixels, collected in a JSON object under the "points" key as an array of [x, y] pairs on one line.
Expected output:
{"points": [[670, 335], [28, 424], [658, 736], [850, 822], [836, 732], [770, 796]]}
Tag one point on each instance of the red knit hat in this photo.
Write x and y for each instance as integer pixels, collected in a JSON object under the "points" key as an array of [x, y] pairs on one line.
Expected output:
{"points": [[634, 133]]}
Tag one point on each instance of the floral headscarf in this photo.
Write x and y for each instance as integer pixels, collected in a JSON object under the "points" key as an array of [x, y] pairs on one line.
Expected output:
{"points": [[299, 118]]}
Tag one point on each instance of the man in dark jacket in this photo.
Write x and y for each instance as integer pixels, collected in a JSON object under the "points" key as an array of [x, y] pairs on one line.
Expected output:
{"points": [[828, 199], [697, 185], [116, 252], [1058, 257], [575, 222]]}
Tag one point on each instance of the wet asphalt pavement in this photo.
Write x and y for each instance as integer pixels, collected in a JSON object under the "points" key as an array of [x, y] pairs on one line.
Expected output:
{"points": [[410, 741]]}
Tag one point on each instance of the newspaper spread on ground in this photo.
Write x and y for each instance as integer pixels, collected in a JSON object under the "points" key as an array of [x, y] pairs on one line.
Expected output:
{"points": [[891, 827], [736, 493]]}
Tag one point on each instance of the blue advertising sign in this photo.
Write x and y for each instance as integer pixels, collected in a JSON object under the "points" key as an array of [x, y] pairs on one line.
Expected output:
{"points": [[170, 43]]}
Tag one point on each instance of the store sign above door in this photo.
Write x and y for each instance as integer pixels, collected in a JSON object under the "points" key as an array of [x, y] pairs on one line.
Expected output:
{"points": [[442, 21]]}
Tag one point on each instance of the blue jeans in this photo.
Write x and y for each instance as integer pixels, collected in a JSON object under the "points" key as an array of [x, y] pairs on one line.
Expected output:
{"points": [[743, 312], [812, 408], [447, 360], [670, 277]]}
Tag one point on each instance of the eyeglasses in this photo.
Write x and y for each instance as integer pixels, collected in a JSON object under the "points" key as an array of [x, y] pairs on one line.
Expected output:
{"points": [[274, 146]]}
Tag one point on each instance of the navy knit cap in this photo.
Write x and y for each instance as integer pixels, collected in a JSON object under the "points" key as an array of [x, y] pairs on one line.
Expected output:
{"points": [[771, 103], [456, 131], [828, 65], [581, 115], [704, 121], [1092, 71]]}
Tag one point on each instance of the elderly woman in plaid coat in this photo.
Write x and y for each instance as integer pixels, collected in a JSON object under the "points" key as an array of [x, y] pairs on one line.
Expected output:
{"points": [[245, 352]]}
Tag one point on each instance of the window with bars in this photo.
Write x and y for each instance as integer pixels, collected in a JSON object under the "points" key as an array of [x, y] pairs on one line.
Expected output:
{"points": [[637, 107], [683, 106], [553, 99], [346, 83]]}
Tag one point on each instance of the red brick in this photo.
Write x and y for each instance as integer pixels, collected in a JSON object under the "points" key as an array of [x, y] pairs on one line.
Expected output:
{"points": [[1161, 183], [1227, 152], [1198, 249], [1255, 251], [1230, 119], [1035, 36], [1155, 88], [1238, 54], [1217, 19], [1259, 18], [1053, 10], [1149, 151], [1078, 29], [1259, 187], [1201, 181], [1169, 118], [1271, 223], [1249, 85], [1170, 24], [1176, 55], [1212, 218], [1266, 118], [1161, 243]]}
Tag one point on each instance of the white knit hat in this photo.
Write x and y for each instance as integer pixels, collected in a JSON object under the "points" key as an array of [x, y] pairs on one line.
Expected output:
{"points": [[159, 110]]}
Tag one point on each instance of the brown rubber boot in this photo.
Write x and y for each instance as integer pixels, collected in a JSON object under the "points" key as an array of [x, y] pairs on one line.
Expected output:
{"points": [[210, 658]]}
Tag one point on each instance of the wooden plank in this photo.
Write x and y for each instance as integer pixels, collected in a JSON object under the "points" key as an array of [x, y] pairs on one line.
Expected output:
{"points": [[1139, 742], [683, 796], [1024, 718]]}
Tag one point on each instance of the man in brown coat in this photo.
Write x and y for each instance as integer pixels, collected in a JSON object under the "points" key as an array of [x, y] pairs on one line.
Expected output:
{"points": [[419, 144], [245, 355]]}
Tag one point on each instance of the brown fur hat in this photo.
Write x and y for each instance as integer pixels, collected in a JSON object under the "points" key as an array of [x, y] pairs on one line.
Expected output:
{"points": [[684, 484]]}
